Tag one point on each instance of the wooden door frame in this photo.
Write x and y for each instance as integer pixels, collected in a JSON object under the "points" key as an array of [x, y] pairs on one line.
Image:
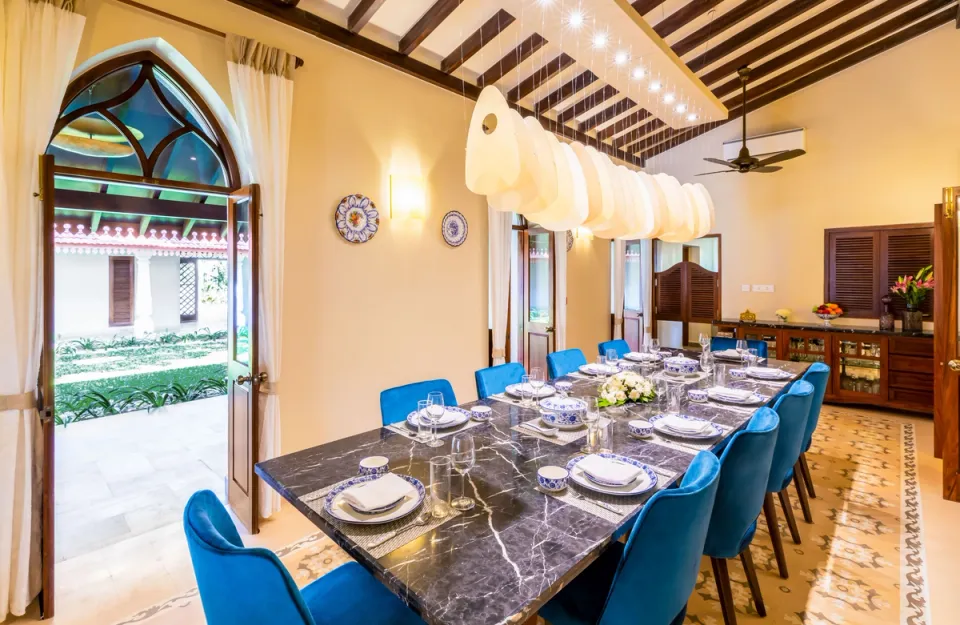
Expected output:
{"points": [[524, 242], [46, 398], [946, 385]]}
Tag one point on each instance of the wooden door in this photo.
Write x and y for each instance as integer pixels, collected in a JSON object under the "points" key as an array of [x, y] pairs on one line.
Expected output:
{"points": [[243, 374], [632, 298], [46, 399], [946, 354], [539, 295]]}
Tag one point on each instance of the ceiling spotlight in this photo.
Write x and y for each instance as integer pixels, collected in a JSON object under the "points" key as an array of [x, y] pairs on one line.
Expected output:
{"points": [[669, 98], [193, 158], [600, 40], [655, 85], [681, 108], [575, 19], [638, 73], [692, 117], [620, 58], [544, 3]]}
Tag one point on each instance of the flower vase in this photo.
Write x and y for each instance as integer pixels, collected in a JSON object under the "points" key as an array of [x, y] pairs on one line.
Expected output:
{"points": [[912, 320]]}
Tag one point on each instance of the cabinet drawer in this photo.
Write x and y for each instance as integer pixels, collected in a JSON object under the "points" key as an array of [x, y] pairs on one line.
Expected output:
{"points": [[910, 347], [911, 363], [919, 398], [911, 380]]}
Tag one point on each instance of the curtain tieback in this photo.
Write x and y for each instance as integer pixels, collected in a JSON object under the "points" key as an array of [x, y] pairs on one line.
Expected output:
{"points": [[499, 352], [270, 388], [23, 401]]}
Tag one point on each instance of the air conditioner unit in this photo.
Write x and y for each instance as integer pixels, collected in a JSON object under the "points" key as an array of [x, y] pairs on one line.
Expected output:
{"points": [[770, 143]]}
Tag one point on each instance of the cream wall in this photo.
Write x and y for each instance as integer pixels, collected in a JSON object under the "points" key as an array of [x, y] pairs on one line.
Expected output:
{"points": [[588, 293], [883, 139], [357, 318]]}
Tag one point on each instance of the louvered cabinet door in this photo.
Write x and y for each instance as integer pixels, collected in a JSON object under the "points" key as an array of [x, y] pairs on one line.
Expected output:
{"points": [[121, 290], [668, 293], [703, 294], [903, 253], [853, 264]]}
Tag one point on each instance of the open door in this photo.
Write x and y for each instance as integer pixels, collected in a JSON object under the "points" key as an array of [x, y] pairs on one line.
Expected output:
{"points": [[539, 293], [243, 374], [946, 386], [45, 397]]}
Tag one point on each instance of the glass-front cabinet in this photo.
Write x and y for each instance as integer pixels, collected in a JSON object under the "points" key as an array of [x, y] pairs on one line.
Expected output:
{"points": [[800, 346], [858, 366]]}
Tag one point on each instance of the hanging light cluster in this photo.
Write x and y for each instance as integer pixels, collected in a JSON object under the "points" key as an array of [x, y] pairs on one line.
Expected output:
{"points": [[525, 169]]}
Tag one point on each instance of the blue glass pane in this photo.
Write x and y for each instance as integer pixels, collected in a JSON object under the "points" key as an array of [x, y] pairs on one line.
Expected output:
{"points": [[92, 142], [111, 85], [145, 116], [189, 159]]}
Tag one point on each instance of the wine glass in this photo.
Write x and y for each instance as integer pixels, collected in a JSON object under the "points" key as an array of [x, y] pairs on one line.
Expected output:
{"points": [[742, 345], [435, 410], [536, 382], [707, 362], [654, 346], [591, 417], [464, 456], [704, 341]]}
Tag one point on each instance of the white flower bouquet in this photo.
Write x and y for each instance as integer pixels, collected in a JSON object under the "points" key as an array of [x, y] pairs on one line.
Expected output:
{"points": [[624, 387]]}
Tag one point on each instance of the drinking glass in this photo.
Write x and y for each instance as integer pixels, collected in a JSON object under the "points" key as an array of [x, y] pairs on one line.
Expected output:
{"points": [[526, 391], [752, 357], [464, 456], [662, 387], [612, 356], [605, 436], [440, 486], [742, 345], [674, 393], [591, 416], [601, 366], [720, 375], [704, 341], [435, 410], [424, 429], [707, 362], [536, 381], [654, 346]]}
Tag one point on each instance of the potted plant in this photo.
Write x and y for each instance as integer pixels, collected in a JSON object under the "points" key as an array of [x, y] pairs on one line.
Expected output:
{"points": [[913, 290]]}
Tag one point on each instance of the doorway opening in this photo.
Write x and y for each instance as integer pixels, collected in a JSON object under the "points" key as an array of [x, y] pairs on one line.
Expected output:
{"points": [[686, 290]]}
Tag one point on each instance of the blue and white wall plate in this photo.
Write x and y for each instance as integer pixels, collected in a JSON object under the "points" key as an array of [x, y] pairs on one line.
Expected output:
{"points": [[569, 240], [454, 228], [357, 218]]}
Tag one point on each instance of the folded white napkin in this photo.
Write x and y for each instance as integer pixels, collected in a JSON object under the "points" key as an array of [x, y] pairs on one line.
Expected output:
{"points": [[727, 353], [595, 368], [378, 493], [766, 372], [640, 356], [685, 426], [448, 417], [609, 470], [731, 393]]}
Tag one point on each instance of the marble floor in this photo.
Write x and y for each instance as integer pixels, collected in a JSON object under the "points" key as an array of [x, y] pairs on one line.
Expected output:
{"points": [[137, 579]]}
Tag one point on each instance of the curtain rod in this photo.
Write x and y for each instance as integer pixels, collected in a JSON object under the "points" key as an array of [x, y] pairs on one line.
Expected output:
{"points": [[180, 20]]}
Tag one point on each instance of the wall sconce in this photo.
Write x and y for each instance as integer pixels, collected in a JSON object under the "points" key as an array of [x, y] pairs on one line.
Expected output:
{"points": [[407, 197], [583, 233]]}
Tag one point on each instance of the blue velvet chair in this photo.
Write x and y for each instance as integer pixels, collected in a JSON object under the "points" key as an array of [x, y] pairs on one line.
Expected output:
{"points": [[397, 402], [793, 408], [622, 347], [819, 375], [744, 471], [560, 364], [493, 380], [241, 586], [720, 343], [648, 580]]}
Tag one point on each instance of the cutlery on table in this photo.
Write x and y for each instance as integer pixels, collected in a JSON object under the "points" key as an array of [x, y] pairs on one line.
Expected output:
{"points": [[422, 519], [527, 425], [600, 504]]}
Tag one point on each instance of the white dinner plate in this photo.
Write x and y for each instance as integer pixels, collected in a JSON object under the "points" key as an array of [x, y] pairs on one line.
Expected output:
{"points": [[453, 416], [595, 369], [753, 400], [664, 429], [545, 391], [335, 506], [638, 487], [641, 357], [768, 373]]}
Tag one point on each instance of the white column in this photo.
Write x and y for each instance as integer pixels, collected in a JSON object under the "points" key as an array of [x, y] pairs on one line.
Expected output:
{"points": [[143, 299]]}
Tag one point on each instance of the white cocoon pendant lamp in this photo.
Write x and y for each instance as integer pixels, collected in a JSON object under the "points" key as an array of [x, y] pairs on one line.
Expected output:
{"points": [[658, 204], [523, 194], [493, 152], [612, 226], [570, 210], [680, 228], [708, 221], [544, 162], [599, 193]]}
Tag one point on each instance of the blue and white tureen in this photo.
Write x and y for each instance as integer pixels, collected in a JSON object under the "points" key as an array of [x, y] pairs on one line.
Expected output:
{"points": [[680, 365]]}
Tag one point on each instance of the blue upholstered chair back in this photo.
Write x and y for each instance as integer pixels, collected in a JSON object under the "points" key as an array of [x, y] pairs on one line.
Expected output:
{"points": [[562, 363], [493, 380], [793, 408], [622, 347], [238, 586], [744, 472], [397, 402], [720, 343], [661, 560], [818, 375]]}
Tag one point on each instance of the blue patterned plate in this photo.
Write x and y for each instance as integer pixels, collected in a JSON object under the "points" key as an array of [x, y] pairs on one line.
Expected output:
{"points": [[664, 429], [460, 416], [336, 507], [454, 228], [636, 487], [545, 391], [357, 218]]}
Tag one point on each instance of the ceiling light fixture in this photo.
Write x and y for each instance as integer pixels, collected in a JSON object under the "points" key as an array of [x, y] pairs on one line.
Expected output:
{"points": [[600, 40], [575, 19], [621, 57], [638, 73], [655, 86], [692, 117], [681, 108], [669, 98]]}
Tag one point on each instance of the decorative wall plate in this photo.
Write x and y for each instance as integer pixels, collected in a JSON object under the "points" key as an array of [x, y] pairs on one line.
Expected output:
{"points": [[357, 218], [569, 240], [454, 228]]}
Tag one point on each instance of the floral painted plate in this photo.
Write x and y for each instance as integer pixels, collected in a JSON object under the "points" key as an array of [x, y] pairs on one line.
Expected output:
{"points": [[454, 228], [357, 218]]}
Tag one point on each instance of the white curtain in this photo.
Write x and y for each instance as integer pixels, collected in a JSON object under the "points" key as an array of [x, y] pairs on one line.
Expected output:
{"points": [[619, 262], [560, 323], [39, 47], [646, 287], [501, 227], [261, 83]]}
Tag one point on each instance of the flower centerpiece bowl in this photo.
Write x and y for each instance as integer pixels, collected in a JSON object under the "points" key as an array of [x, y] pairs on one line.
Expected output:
{"points": [[624, 387]]}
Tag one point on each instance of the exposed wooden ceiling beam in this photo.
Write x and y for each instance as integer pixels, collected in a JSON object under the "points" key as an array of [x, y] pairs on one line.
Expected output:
{"points": [[683, 16], [717, 25], [362, 14], [664, 135], [593, 100], [645, 6], [629, 121], [511, 60], [95, 221], [440, 11], [934, 21], [618, 108], [289, 3], [626, 141], [542, 75], [486, 33], [136, 206], [804, 28], [760, 27], [144, 224], [187, 227], [578, 83]]}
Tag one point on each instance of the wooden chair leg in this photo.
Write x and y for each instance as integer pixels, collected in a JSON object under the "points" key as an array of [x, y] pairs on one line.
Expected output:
{"points": [[770, 513], [746, 558], [802, 494], [788, 515], [807, 477], [722, 575]]}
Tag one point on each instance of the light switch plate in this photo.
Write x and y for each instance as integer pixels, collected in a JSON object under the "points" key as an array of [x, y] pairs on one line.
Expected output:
{"points": [[763, 288], [745, 287]]}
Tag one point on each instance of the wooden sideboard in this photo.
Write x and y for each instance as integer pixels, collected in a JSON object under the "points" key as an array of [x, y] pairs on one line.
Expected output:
{"points": [[867, 366]]}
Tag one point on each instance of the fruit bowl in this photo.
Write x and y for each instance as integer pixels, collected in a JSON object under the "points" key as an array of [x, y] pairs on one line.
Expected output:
{"points": [[827, 312], [827, 317]]}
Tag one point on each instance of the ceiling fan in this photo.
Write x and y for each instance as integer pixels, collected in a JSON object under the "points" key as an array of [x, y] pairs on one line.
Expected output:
{"points": [[744, 163]]}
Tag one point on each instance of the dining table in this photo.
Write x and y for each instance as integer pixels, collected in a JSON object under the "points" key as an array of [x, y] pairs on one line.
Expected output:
{"points": [[504, 559]]}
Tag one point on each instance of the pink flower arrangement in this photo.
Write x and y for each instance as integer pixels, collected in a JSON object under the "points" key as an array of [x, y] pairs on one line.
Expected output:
{"points": [[914, 289]]}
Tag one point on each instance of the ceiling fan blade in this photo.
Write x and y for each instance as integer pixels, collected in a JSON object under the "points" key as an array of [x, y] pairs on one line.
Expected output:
{"points": [[782, 156], [725, 171], [718, 161], [767, 169]]}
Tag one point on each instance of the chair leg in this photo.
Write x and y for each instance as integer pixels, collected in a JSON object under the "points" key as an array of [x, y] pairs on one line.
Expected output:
{"points": [[746, 558], [807, 477], [770, 512], [788, 515], [722, 575], [802, 494]]}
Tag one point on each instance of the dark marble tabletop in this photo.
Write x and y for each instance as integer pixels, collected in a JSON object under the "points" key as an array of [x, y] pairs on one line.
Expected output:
{"points": [[501, 561], [818, 326]]}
